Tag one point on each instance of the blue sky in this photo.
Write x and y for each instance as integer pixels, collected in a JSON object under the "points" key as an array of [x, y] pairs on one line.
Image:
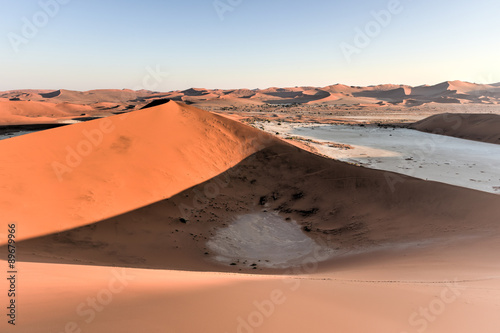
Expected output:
{"points": [[90, 44]]}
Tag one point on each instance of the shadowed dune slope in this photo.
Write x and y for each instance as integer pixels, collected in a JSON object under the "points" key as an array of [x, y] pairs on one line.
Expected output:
{"points": [[79, 174], [478, 127], [346, 207]]}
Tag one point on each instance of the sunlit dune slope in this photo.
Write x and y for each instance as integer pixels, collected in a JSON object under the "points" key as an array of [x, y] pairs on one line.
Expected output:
{"points": [[79, 174], [30, 112]]}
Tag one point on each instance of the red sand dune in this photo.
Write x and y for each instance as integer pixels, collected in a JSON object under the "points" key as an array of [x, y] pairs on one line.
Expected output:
{"points": [[348, 207], [95, 96], [239, 93], [83, 173], [401, 244], [479, 127], [24, 112], [164, 157]]}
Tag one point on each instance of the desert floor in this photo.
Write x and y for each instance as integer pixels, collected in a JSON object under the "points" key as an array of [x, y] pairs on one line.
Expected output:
{"points": [[248, 232]]}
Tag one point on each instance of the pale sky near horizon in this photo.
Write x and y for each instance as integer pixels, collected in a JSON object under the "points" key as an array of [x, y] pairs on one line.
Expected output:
{"points": [[90, 44]]}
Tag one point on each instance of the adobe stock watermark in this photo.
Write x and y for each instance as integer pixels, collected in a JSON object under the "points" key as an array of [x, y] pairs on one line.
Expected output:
{"points": [[426, 147], [213, 188], [421, 319], [487, 79], [489, 93], [223, 6], [153, 79], [89, 310], [32, 26], [92, 138], [372, 29], [265, 309]]}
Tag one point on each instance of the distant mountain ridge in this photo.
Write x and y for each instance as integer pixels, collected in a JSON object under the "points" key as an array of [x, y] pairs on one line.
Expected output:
{"points": [[455, 92]]}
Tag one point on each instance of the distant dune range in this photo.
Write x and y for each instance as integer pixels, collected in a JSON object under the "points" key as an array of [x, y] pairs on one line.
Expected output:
{"points": [[66, 104], [118, 203], [479, 127]]}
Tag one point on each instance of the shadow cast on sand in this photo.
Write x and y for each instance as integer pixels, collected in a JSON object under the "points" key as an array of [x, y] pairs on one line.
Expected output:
{"points": [[340, 205]]}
